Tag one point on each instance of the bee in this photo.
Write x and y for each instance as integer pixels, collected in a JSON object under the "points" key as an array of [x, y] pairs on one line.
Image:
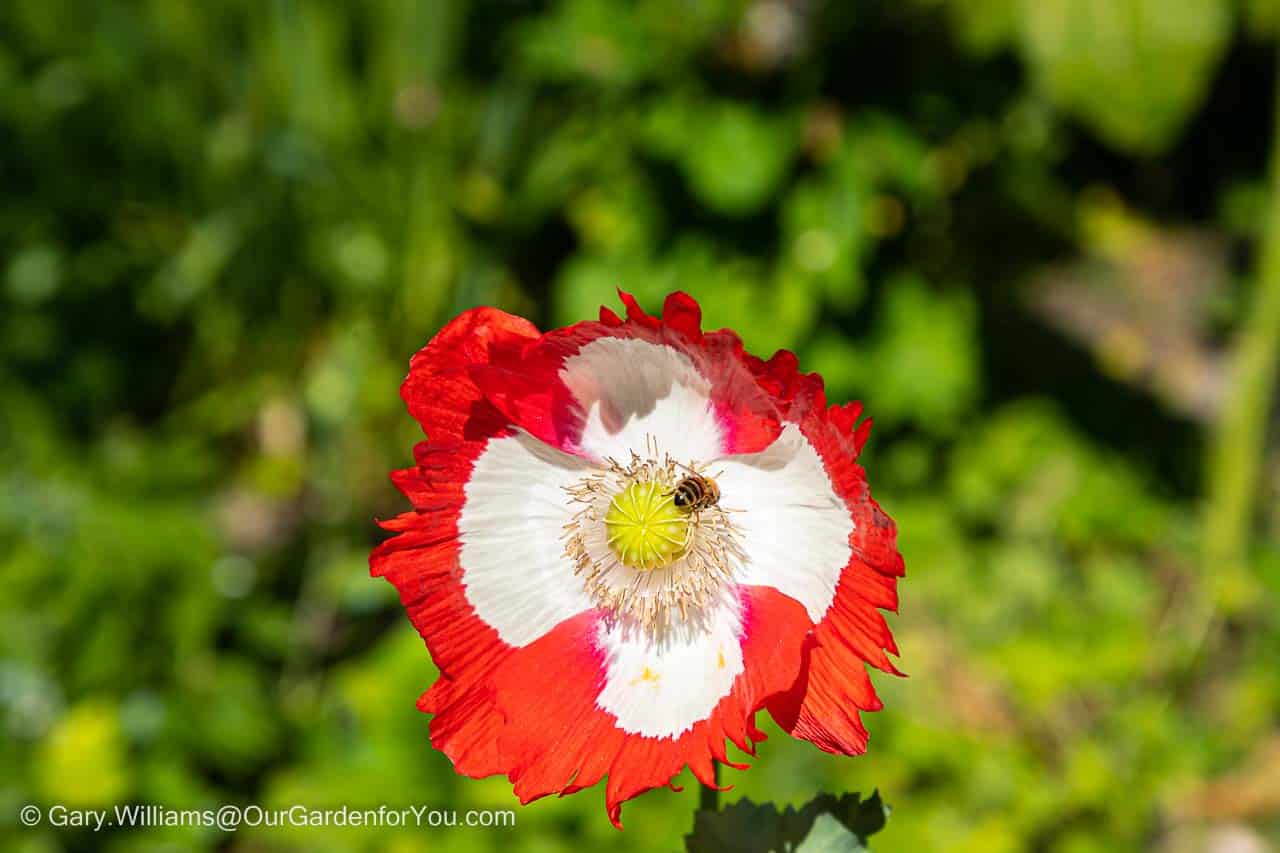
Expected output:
{"points": [[695, 493]]}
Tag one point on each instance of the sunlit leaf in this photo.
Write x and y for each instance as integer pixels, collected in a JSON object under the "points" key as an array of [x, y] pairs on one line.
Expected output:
{"points": [[1134, 71]]}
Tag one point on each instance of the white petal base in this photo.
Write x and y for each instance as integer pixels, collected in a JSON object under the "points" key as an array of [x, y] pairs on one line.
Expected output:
{"points": [[793, 528], [514, 569], [661, 687]]}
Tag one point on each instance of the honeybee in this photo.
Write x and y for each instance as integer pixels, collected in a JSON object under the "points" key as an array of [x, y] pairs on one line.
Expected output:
{"points": [[695, 493]]}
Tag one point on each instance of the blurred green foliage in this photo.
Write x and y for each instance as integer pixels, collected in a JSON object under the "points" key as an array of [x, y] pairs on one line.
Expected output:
{"points": [[226, 227]]}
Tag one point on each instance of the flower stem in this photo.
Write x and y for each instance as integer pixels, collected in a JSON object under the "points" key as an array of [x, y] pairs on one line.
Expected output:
{"points": [[709, 801], [1239, 442]]}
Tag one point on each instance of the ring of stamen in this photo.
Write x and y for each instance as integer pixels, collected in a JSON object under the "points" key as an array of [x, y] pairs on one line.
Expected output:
{"points": [[641, 557]]}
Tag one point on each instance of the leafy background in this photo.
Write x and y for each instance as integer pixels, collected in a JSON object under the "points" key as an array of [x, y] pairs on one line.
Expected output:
{"points": [[1031, 236]]}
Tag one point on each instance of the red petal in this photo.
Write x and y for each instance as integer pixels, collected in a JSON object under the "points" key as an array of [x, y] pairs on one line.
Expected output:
{"points": [[684, 315], [422, 560], [559, 741], [438, 391], [636, 314], [823, 706], [525, 384]]}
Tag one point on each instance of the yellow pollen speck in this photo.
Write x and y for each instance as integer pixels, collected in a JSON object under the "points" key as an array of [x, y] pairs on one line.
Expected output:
{"points": [[647, 676], [720, 659], [644, 527]]}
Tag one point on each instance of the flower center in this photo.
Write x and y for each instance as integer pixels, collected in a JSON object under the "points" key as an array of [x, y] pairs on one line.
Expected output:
{"points": [[644, 527], [639, 555]]}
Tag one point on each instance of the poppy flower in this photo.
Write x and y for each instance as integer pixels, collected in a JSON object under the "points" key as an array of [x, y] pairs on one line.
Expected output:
{"points": [[627, 537]]}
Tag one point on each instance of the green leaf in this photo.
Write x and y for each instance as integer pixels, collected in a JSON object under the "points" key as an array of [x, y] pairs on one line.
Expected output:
{"points": [[1133, 70], [827, 823], [740, 158], [830, 836], [924, 363], [1262, 17], [985, 26]]}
